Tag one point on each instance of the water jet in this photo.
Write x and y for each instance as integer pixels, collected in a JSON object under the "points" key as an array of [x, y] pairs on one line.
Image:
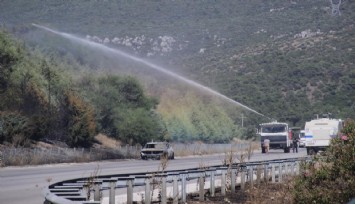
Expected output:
{"points": [[144, 62]]}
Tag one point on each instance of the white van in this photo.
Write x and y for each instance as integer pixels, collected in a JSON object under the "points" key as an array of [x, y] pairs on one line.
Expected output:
{"points": [[319, 132]]}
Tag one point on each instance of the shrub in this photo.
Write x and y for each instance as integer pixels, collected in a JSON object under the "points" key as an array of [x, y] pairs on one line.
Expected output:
{"points": [[79, 120], [330, 179], [15, 128]]}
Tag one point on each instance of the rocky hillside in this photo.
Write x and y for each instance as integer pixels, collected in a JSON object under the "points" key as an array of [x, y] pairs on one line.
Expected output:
{"points": [[287, 59]]}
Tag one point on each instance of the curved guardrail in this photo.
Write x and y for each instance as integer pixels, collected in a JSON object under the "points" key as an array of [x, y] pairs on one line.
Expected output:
{"points": [[170, 185]]}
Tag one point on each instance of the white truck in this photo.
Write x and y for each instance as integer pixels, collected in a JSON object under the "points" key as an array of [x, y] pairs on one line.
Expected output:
{"points": [[278, 134], [319, 132], [302, 138]]}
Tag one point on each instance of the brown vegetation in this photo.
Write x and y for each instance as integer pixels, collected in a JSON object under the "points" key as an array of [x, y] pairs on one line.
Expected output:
{"points": [[265, 193]]}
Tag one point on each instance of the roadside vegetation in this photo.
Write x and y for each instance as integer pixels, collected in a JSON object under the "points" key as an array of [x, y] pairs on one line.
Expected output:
{"points": [[327, 179], [330, 178], [40, 100], [45, 98]]}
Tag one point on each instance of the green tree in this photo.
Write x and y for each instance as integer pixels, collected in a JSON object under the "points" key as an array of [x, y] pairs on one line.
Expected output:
{"points": [[10, 53], [137, 126], [123, 111]]}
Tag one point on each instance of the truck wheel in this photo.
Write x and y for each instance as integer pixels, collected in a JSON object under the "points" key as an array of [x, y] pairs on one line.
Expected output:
{"points": [[287, 150], [310, 151], [263, 150]]}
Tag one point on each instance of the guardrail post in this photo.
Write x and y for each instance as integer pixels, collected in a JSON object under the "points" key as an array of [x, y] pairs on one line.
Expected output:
{"points": [[86, 190], [183, 186], [280, 172], [175, 189], [223, 180], [163, 198], [266, 172], [242, 179], [258, 174], [251, 168], [130, 190], [112, 184], [293, 168], [233, 177], [97, 190], [300, 169], [112, 191], [147, 182], [286, 169], [273, 180], [201, 187], [212, 182]]}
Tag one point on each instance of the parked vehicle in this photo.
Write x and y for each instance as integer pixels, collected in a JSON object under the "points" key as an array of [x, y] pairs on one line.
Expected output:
{"points": [[157, 150], [319, 132], [278, 134], [302, 139]]}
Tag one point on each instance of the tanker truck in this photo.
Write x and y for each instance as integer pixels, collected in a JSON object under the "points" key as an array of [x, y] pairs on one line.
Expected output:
{"points": [[278, 134]]}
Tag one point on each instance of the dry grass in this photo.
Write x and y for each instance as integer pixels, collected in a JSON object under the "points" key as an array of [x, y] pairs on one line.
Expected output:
{"points": [[45, 153], [200, 148], [240, 150], [156, 180], [276, 193], [36, 156], [107, 142], [265, 193], [89, 185]]}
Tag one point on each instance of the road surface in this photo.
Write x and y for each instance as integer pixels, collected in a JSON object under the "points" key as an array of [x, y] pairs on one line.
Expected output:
{"points": [[19, 185]]}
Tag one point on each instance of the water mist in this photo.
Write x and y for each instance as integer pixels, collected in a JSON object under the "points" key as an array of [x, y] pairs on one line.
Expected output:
{"points": [[144, 62]]}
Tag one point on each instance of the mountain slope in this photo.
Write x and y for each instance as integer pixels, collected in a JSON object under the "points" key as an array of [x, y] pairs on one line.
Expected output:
{"points": [[287, 59]]}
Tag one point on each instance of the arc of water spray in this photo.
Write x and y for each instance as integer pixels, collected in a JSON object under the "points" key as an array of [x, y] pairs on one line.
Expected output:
{"points": [[151, 65]]}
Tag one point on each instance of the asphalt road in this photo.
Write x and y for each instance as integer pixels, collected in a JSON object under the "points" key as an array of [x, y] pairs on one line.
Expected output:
{"points": [[19, 185]]}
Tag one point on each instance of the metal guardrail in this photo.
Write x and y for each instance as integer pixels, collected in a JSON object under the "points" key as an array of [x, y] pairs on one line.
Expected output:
{"points": [[78, 190]]}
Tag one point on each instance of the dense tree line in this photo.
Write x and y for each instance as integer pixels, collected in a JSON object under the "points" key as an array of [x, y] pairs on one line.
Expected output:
{"points": [[51, 97], [39, 101]]}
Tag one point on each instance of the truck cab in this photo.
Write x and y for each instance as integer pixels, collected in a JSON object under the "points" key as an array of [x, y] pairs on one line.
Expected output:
{"points": [[278, 134], [302, 138]]}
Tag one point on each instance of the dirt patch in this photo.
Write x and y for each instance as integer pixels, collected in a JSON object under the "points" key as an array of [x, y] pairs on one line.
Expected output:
{"points": [[107, 142], [264, 193]]}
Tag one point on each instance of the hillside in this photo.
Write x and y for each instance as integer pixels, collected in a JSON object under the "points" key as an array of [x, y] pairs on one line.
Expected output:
{"points": [[286, 59]]}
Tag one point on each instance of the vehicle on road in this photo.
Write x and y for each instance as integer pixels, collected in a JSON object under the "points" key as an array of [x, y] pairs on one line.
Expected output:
{"points": [[302, 139], [157, 150], [319, 132], [278, 134]]}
